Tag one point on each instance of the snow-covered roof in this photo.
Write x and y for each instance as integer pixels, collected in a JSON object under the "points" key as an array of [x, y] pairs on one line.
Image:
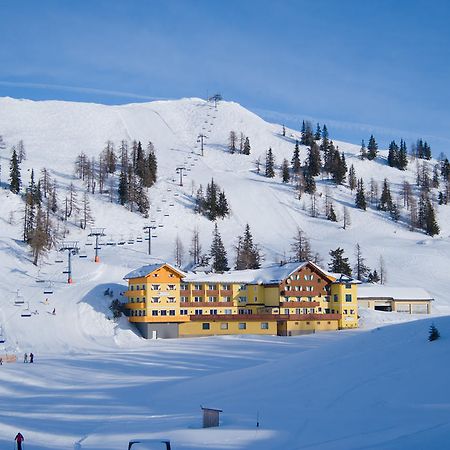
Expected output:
{"points": [[392, 292], [273, 274], [146, 270]]}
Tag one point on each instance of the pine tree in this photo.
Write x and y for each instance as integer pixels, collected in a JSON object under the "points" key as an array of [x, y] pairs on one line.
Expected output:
{"points": [[363, 150], [283, 132], [318, 133], [313, 162], [222, 205], [373, 277], [433, 334], [14, 174], [393, 155], [310, 183], [39, 237], [295, 162], [360, 269], [386, 198], [218, 252], [247, 148], [360, 200], [372, 148], [270, 164], [200, 201], [331, 214], [285, 174], [402, 156], [431, 225], [123, 188], [248, 255], [352, 181], [338, 168], [339, 264]]}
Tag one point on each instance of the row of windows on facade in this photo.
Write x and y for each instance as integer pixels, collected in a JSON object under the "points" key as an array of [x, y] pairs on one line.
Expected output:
{"points": [[199, 312], [242, 299]]}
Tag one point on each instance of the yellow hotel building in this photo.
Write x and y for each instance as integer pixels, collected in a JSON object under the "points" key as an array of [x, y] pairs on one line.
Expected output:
{"points": [[289, 299]]}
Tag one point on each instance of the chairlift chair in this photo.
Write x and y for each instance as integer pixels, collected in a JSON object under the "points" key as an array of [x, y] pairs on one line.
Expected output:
{"points": [[171, 204], [2, 337], [160, 225], [59, 260], [48, 290], [26, 312]]}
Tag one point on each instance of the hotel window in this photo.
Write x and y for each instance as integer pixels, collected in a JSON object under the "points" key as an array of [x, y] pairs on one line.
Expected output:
{"points": [[264, 325], [198, 287], [228, 311], [242, 287], [310, 299], [171, 300], [183, 312], [131, 288], [224, 326], [352, 311], [319, 309], [184, 299], [197, 299], [163, 312], [155, 299], [348, 286], [154, 313], [255, 299], [335, 297], [171, 312], [213, 312], [242, 299], [155, 275], [242, 326], [288, 288], [309, 288], [327, 310], [345, 311], [226, 287], [298, 311], [348, 297], [211, 287], [211, 299], [286, 311], [205, 326], [155, 287], [171, 287], [311, 310], [198, 312], [226, 299], [184, 286]]}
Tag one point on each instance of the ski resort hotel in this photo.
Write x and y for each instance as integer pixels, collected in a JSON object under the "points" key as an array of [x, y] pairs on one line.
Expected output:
{"points": [[288, 299]]}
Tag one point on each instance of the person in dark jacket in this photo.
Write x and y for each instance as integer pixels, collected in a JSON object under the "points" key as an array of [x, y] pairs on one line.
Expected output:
{"points": [[19, 439], [31, 357]]}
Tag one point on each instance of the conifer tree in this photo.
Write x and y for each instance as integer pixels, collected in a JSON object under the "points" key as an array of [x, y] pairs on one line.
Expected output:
{"points": [[402, 156], [247, 148], [431, 225], [285, 174], [339, 263], [313, 162], [318, 133], [123, 187], [218, 252], [232, 140], [270, 164], [373, 277], [363, 150], [331, 214], [433, 334], [283, 131], [222, 205], [386, 203], [248, 255], [372, 148], [360, 200], [310, 183], [14, 174], [295, 162], [393, 155], [352, 181]]}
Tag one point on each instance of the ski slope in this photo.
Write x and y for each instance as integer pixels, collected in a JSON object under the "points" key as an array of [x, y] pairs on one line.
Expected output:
{"points": [[90, 373]]}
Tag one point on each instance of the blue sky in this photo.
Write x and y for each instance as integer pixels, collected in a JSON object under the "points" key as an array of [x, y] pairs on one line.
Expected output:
{"points": [[378, 66]]}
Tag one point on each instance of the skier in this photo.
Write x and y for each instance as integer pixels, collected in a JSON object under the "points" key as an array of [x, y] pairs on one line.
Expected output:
{"points": [[1, 361], [25, 358], [19, 439], [31, 358], [46, 301], [54, 311]]}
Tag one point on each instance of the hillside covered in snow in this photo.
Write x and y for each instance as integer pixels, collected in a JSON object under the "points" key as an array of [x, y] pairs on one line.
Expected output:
{"points": [[114, 356]]}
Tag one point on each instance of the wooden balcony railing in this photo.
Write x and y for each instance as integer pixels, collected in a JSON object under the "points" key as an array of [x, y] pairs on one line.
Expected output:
{"points": [[299, 304], [193, 304]]}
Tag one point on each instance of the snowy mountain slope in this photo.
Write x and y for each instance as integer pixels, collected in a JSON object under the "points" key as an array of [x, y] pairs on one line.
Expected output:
{"points": [[55, 132]]}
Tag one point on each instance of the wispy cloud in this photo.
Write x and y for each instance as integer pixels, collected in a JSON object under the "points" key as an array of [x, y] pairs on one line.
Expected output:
{"points": [[84, 90], [350, 127]]}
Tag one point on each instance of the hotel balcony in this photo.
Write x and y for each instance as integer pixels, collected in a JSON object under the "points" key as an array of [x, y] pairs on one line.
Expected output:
{"points": [[139, 293]]}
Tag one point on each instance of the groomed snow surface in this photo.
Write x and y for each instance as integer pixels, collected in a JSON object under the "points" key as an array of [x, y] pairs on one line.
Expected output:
{"points": [[95, 383]]}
